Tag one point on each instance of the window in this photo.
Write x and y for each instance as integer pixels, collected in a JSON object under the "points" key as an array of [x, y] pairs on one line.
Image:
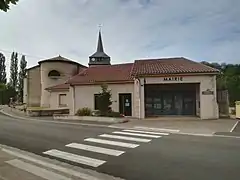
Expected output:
{"points": [[96, 101], [53, 74], [62, 100]]}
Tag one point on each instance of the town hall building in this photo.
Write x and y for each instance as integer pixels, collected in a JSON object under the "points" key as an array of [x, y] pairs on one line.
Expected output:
{"points": [[144, 88]]}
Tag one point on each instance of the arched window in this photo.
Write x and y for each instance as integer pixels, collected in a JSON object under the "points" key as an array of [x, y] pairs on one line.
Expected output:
{"points": [[53, 74]]}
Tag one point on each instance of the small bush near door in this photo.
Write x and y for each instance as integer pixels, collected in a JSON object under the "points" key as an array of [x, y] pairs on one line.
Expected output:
{"points": [[84, 112]]}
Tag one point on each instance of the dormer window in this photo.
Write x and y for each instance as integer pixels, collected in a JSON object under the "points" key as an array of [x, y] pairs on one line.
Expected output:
{"points": [[54, 74]]}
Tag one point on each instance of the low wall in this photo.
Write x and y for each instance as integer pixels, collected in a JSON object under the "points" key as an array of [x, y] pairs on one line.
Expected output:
{"points": [[89, 118]]}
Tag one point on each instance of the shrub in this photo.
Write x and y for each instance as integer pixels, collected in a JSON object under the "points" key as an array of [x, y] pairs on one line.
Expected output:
{"points": [[84, 112], [105, 99]]}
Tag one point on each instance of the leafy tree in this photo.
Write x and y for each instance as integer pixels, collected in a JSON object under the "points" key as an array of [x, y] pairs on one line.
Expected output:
{"points": [[229, 79], [21, 76], [3, 89], [6, 92], [105, 99], [5, 4], [3, 78], [14, 71]]}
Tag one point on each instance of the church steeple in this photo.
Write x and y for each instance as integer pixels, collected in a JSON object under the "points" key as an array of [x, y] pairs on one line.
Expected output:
{"points": [[99, 57], [100, 44]]}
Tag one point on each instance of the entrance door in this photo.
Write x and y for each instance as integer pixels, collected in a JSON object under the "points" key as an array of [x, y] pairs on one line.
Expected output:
{"points": [[125, 104]]}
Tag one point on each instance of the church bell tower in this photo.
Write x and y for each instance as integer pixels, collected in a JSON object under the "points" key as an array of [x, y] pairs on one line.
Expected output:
{"points": [[99, 57]]}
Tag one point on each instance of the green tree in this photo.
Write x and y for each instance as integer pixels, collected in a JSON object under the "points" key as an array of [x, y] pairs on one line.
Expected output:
{"points": [[5, 4], [14, 72], [6, 92], [105, 99], [21, 76], [3, 77], [229, 79], [3, 90]]}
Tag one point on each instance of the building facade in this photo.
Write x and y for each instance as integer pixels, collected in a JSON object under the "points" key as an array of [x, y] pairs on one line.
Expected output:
{"points": [[144, 88]]}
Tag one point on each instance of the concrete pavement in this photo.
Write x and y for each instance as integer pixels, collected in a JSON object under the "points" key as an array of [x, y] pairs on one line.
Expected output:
{"points": [[127, 153], [182, 125], [21, 165]]}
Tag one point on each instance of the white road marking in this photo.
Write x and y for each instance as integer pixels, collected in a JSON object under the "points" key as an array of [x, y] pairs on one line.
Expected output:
{"points": [[52, 166], [137, 134], [75, 158], [37, 171], [125, 138], [146, 132], [226, 136], [196, 134], [235, 125], [115, 143], [156, 129], [107, 151]]}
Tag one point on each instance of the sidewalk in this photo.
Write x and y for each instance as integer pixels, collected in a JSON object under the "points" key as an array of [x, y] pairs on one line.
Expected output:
{"points": [[19, 165], [21, 115], [182, 125], [188, 125]]}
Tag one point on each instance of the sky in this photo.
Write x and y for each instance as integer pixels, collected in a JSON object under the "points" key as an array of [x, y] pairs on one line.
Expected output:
{"points": [[204, 30]]}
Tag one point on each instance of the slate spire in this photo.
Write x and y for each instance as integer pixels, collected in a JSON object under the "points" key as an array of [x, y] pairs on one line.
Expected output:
{"points": [[100, 44], [99, 57]]}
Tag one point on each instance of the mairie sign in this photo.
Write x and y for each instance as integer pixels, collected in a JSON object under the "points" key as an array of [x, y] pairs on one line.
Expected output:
{"points": [[172, 78]]}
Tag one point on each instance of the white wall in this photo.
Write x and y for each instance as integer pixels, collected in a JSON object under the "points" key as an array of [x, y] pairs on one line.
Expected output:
{"points": [[208, 103], [65, 69], [25, 90], [84, 95], [33, 87], [54, 99]]}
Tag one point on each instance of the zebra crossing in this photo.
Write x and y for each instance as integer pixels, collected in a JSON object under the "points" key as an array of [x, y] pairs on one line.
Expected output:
{"points": [[125, 139]]}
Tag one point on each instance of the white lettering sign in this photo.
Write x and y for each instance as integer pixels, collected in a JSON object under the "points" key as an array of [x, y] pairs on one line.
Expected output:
{"points": [[173, 79]]}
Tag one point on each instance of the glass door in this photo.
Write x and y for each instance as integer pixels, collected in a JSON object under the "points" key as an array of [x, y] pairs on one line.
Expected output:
{"points": [[189, 104], [168, 104]]}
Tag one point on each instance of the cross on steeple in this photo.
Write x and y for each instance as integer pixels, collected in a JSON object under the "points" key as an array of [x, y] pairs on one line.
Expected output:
{"points": [[100, 27]]}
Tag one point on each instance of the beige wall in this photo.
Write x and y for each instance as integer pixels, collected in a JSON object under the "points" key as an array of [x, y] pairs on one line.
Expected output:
{"points": [[54, 99], [25, 90], [84, 96], [33, 87], [65, 69], [208, 103]]}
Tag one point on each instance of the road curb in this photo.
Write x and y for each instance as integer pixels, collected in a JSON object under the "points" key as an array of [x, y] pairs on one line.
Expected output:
{"points": [[58, 122], [65, 168], [14, 116]]}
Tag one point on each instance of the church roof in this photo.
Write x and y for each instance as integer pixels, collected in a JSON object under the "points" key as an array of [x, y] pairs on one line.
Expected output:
{"points": [[125, 73], [58, 87], [60, 59], [118, 73]]}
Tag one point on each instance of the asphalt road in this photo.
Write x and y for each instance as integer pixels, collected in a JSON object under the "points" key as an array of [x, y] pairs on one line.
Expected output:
{"points": [[171, 157]]}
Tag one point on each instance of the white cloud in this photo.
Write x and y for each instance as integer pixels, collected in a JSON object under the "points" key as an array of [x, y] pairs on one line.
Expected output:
{"points": [[132, 29]]}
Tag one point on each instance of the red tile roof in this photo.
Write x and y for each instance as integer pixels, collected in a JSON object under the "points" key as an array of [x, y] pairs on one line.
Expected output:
{"points": [[106, 73], [169, 66], [122, 73], [58, 87]]}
